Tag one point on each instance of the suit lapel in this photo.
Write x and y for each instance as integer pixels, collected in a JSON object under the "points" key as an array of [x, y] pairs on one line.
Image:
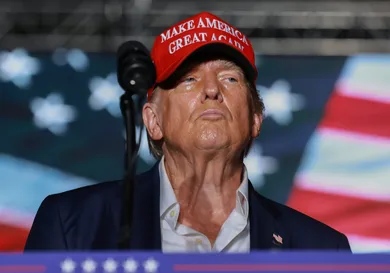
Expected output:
{"points": [[146, 231], [265, 229], [107, 234]]}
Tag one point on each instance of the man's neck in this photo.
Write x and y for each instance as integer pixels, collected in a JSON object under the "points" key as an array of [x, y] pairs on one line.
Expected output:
{"points": [[205, 189], [202, 181]]}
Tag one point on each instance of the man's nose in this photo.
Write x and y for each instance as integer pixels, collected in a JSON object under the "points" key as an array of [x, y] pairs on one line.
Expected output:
{"points": [[211, 89]]}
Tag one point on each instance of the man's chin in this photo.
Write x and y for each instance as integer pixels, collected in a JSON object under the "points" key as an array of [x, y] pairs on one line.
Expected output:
{"points": [[211, 145]]}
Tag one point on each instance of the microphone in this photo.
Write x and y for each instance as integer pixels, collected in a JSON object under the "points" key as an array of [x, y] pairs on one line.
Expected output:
{"points": [[136, 74], [136, 71]]}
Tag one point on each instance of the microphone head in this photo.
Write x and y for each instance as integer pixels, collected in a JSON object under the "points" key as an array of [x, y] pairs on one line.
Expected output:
{"points": [[135, 69]]}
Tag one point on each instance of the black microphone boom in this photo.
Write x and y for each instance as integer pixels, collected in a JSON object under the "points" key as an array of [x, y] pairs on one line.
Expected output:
{"points": [[136, 75]]}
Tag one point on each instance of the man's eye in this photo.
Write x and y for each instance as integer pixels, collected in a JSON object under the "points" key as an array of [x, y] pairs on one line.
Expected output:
{"points": [[232, 79], [189, 79]]}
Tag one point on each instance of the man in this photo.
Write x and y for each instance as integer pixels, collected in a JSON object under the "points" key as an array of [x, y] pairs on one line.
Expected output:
{"points": [[201, 118]]}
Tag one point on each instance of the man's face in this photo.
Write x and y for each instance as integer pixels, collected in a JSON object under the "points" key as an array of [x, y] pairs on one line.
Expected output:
{"points": [[206, 109]]}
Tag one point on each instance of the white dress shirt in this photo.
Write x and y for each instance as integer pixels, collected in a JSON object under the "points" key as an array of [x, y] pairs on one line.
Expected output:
{"points": [[234, 233]]}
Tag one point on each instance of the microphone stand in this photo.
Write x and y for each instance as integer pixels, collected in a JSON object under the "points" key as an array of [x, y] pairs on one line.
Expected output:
{"points": [[136, 74], [128, 112]]}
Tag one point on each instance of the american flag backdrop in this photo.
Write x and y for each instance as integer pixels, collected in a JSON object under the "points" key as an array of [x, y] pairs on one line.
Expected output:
{"points": [[344, 177], [322, 149]]}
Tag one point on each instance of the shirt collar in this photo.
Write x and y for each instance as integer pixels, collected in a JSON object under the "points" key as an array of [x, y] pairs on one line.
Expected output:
{"points": [[242, 203], [168, 197]]}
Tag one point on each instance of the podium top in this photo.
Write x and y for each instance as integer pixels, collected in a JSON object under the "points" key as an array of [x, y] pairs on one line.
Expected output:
{"points": [[153, 262]]}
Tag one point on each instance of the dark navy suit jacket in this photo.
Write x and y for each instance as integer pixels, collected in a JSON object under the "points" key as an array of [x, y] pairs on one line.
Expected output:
{"points": [[88, 218]]}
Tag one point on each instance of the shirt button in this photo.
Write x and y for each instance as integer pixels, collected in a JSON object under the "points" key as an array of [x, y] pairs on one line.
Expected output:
{"points": [[172, 213], [198, 241]]}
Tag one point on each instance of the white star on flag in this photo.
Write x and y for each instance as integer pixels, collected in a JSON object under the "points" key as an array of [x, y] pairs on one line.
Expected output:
{"points": [[258, 165], [110, 265], [75, 58], [151, 265], [105, 94], [52, 114], [89, 266], [130, 265], [18, 67], [279, 102], [68, 266]]}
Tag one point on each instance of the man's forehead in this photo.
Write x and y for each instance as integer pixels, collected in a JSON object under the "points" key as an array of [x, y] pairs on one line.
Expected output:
{"points": [[217, 63], [223, 63], [196, 62]]}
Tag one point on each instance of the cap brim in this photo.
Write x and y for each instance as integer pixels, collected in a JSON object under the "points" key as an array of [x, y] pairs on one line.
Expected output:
{"points": [[220, 48]]}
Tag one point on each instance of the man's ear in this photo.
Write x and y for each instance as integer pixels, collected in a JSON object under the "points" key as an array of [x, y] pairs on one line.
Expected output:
{"points": [[256, 125], [152, 121]]}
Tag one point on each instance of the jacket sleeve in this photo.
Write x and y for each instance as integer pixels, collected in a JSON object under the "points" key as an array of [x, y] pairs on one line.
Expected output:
{"points": [[344, 244], [47, 232]]}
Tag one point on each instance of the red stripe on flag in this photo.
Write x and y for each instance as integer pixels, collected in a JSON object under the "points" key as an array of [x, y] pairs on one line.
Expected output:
{"points": [[350, 215], [281, 267], [357, 115], [12, 238]]}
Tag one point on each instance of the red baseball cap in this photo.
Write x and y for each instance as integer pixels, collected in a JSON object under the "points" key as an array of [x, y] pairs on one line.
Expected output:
{"points": [[201, 31]]}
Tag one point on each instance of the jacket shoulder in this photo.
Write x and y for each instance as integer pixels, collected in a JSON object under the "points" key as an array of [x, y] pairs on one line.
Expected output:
{"points": [[59, 213], [101, 190], [96, 194]]}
